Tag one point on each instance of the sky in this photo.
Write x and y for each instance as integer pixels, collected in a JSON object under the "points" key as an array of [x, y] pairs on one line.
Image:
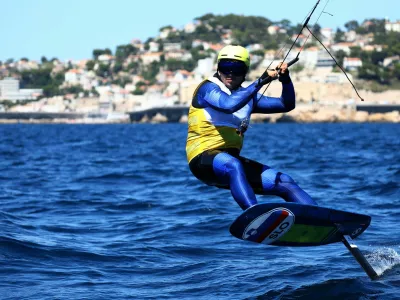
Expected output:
{"points": [[71, 29]]}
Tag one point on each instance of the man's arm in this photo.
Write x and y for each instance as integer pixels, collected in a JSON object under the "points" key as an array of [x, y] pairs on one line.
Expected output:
{"points": [[210, 94], [270, 105]]}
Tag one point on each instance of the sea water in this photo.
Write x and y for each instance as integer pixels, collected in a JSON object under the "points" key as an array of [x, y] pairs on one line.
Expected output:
{"points": [[113, 212]]}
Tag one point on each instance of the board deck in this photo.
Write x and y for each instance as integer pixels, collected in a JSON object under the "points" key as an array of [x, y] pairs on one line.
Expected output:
{"points": [[292, 224]]}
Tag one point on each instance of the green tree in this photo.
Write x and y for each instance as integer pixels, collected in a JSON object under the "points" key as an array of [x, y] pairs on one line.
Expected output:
{"points": [[42, 78], [123, 81], [138, 92], [351, 25], [198, 53], [174, 65], [316, 29], [378, 26], [373, 72], [391, 40], [295, 29], [73, 89], [97, 52], [161, 46], [396, 70], [203, 33], [133, 67], [355, 51], [285, 24], [117, 67], [165, 27], [94, 92], [151, 71], [123, 51], [90, 65], [187, 44], [377, 57], [340, 55], [339, 36], [103, 70], [297, 68], [35, 78], [140, 88], [58, 78]]}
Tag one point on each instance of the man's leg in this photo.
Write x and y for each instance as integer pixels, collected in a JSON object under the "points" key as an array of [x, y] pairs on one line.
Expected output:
{"points": [[280, 184], [230, 171], [267, 181]]}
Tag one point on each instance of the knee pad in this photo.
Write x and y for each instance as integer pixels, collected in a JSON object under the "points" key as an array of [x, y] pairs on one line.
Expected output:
{"points": [[271, 178], [285, 178], [225, 164], [268, 178]]}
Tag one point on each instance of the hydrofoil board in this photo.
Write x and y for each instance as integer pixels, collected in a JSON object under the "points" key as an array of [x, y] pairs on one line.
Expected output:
{"points": [[292, 224]]}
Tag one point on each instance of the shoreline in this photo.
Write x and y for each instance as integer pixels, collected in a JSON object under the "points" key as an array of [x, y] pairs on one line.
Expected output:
{"points": [[324, 115]]}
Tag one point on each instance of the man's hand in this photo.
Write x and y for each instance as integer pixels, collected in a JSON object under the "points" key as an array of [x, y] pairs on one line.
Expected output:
{"points": [[283, 72], [283, 69], [272, 73]]}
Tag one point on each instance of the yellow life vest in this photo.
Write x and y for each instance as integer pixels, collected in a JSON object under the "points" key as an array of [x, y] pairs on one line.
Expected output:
{"points": [[210, 129]]}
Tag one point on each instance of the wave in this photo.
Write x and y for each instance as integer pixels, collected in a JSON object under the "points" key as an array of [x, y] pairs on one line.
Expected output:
{"points": [[330, 289], [383, 259], [11, 247]]}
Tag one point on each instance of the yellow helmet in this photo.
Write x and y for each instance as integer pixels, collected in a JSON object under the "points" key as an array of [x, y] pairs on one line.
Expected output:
{"points": [[235, 52]]}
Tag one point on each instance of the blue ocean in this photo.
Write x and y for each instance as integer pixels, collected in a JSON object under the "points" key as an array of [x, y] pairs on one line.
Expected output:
{"points": [[113, 212]]}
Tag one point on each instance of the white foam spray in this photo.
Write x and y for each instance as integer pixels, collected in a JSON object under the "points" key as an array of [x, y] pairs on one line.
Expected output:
{"points": [[383, 259]]}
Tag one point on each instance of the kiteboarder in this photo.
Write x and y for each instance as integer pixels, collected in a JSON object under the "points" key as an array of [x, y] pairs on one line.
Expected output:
{"points": [[218, 118]]}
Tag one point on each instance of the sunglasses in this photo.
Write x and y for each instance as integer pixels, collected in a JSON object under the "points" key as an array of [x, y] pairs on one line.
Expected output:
{"points": [[236, 68]]}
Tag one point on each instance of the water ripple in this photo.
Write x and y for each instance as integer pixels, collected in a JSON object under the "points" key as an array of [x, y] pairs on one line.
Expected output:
{"points": [[112, 211]]}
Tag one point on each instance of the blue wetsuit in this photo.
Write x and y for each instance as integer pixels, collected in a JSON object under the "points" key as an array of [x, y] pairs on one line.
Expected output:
{"points": [[217, 121]]}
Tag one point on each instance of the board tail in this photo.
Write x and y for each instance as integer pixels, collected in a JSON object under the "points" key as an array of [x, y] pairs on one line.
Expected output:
{"points": [[359, 257]]}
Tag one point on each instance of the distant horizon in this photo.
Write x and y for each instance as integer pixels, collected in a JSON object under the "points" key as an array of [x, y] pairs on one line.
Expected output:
{"points": [[72, 30]]}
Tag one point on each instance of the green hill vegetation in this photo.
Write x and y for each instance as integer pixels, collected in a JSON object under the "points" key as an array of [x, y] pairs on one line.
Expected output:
{"points": [[243, 30]]}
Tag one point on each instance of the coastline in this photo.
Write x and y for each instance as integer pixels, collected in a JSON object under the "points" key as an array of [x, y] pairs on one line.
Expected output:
{"points": [[302, 114], [316, 103]]}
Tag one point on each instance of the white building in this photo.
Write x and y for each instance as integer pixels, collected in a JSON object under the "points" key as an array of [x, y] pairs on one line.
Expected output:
{"points": [[327, 35], [73, 76], [350, 36], [254, 47], [205, 66], [190, 27], [23, 65], [9, 90], [154, 47], [392, 26], [352, 63], [273, 29], [172, 47], [107, 58], [8, 85], [137, 44], [336, 77], [390, 60], [309, 57], [345, 46], [87, 79], [179, 55], [166, 31], [149, 57], [197, 43]]}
